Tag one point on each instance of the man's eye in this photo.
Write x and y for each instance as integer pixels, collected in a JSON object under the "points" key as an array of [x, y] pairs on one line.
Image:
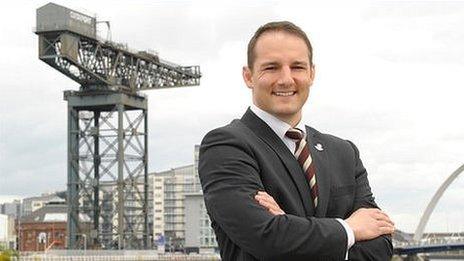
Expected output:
{"points": [[299, 67], [270, 68]]}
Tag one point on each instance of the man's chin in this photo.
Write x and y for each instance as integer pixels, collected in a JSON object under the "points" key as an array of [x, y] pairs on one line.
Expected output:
{"points": [[286, 114], [287, 111]]}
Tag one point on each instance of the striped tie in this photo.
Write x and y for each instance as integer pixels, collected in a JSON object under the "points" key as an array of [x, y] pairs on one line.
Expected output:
{"points": [[304, 158]]}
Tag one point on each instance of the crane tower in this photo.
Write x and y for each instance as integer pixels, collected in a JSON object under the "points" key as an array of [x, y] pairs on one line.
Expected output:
{"points": [[107, 185]]}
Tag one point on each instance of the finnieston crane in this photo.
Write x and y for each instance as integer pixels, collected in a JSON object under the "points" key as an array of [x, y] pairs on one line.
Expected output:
{"points": [[107, 186]]}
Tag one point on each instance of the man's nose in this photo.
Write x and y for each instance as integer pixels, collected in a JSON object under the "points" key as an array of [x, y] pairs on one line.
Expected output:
{"points": [[285, 77]]}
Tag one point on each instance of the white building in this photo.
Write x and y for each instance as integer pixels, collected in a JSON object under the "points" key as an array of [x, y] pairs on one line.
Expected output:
{"points": [[34, 203], [169, 188], [199, 236], [7, 232], [179, 213], [12, 209]]}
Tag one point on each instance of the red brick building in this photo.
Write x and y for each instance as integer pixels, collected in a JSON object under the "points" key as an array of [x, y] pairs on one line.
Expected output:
{"points": [[44, 228]]}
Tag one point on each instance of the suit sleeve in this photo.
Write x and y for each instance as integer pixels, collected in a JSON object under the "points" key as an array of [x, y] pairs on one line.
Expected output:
{"points": [[230, 178], [379, 248]]}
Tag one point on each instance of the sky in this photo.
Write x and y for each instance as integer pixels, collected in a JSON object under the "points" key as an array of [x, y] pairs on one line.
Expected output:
{"points": [[389, 77]]}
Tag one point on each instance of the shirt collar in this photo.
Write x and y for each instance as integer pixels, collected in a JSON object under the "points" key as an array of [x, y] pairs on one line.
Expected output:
{"points": [[278, 126]]}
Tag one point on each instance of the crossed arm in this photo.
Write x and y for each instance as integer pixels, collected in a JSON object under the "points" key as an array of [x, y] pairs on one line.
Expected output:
{"points": [[371, 226], [230, 179], [366, 223]]}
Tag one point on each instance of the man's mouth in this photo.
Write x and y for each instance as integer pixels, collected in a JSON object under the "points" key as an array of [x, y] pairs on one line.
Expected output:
{"points": [[284, 93]]}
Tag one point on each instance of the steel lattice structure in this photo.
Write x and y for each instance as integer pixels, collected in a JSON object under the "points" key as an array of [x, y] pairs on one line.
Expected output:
{"points": [[107, 174], [107, 127], [93, 64]]}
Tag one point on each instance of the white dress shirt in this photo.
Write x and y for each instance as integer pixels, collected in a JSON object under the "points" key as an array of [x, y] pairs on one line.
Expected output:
{"points": [[280, 128]]}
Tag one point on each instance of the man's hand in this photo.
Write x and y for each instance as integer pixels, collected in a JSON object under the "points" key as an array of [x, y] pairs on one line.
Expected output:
{"points": [[369, 223], [268, 202]]}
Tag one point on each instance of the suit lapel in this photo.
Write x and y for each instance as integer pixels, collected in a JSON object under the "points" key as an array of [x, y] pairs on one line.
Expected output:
{"points": [[265, 133], [320, 160]]}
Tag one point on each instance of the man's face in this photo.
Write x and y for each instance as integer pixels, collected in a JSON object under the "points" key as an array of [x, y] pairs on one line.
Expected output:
{"points": [[281, 75]]}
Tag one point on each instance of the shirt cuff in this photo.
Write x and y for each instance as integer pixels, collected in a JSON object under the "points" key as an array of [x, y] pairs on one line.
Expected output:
{"points": [[349, 235]]}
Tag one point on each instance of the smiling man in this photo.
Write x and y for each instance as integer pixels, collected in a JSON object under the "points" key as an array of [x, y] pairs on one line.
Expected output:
{"points": [[276, 189]]}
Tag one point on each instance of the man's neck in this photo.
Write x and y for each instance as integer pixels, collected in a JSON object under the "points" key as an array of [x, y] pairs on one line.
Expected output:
{"points": [[291, 120]]}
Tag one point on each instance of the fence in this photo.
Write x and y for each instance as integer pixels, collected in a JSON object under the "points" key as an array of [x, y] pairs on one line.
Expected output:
{"points": [[111, 255]]}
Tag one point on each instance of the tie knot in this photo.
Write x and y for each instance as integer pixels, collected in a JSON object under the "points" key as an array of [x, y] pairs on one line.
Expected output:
{"points": [[294, 134]]}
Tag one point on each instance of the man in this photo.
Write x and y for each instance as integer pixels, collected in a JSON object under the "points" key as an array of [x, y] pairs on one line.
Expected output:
{"points": [[276, 189]]}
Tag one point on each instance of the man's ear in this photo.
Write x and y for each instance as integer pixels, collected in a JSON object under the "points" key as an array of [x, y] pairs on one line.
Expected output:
{"points": [[247, 76], [313, 73]]}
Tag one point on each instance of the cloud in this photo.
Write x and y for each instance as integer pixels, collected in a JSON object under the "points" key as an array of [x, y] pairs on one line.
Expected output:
{"points": [[425, 35], [388, 77]]}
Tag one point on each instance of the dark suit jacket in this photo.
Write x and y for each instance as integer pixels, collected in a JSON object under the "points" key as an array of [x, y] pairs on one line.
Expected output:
{"points": [[246, 156]]}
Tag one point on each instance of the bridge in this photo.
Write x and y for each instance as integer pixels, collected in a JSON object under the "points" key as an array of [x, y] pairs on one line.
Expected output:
{"points": [[420, 245], [413, 250], [447, 244]]}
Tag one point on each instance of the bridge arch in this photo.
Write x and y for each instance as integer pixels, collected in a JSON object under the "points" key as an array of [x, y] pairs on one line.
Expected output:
{"points": [[433, 203]]}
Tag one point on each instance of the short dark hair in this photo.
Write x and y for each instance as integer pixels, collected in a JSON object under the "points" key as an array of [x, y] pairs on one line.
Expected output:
{"points": [[279, 26]]}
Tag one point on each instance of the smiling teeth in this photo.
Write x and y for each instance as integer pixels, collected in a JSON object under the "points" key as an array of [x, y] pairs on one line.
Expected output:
{"points": [[284, 93]]}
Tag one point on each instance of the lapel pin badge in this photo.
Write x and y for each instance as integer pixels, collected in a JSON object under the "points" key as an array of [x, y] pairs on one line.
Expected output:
{"points": [[319, 147]]}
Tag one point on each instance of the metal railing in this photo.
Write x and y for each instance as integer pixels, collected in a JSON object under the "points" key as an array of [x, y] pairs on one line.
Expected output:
{"points": [[110, 255]]}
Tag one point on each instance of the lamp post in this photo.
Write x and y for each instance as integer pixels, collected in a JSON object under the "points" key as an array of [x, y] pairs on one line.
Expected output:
{"points": [[19, 234], [84, 238], [85, 242]]}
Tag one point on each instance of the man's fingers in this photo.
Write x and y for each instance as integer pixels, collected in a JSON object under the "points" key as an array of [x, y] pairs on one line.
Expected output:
{"points": [[385, 227], [384, 224], [266, 197], [387, 230], [382, 216], [269, 203], [266, 203], [377, 214], [383, 220], [261, 198], [271, 207], [276, 212]]}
